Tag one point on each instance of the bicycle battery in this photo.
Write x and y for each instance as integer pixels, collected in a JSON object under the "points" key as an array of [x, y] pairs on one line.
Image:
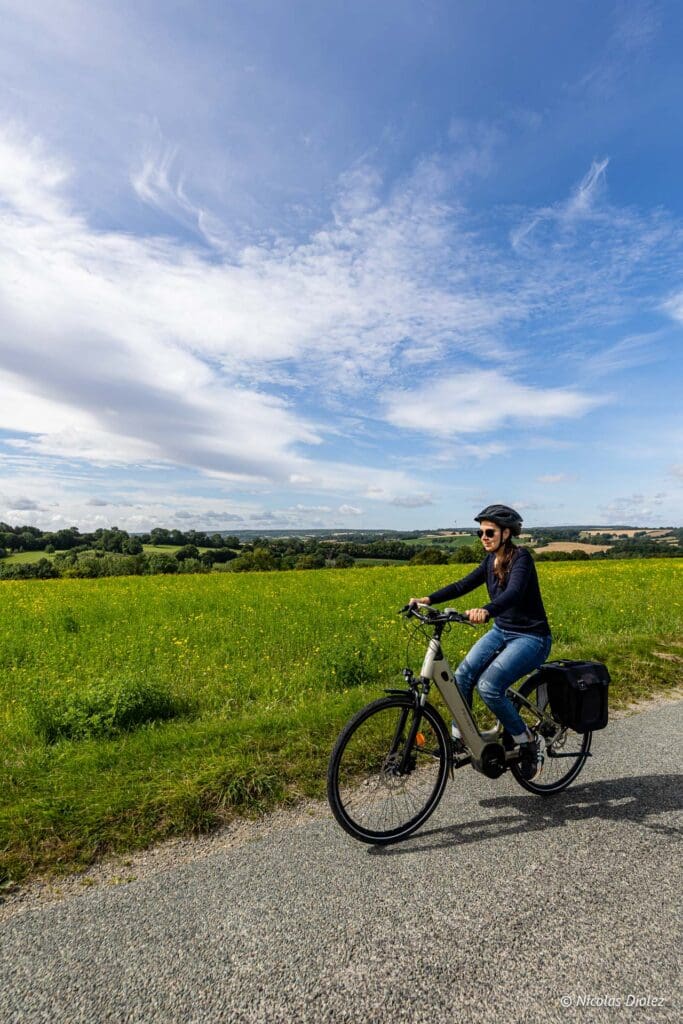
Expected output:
{"points": [[578, 693]]}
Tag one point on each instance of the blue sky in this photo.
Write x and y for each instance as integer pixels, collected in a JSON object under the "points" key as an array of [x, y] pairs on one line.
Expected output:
{"points": [[292, 264]]}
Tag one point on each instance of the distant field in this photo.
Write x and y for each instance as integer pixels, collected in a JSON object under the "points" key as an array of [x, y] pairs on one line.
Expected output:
{"points": [[447, 543], [166, 549], [573, 545], [35, 556], [650, 534], [26, 556], [447, 534], [272, 664]]}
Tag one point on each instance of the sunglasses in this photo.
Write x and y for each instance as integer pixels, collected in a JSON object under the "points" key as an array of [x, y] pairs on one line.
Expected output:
{"points": [[487, 533]]}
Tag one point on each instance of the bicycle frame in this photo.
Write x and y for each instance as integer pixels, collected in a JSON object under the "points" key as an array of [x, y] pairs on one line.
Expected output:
{"points": [[436, 669], [485, 750]]}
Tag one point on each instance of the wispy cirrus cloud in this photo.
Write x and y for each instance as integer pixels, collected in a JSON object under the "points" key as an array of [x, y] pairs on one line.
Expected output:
{"points": [[589, 265], [592, 360], [157, 182], [582, 199], [579, 205], [635, 29]]}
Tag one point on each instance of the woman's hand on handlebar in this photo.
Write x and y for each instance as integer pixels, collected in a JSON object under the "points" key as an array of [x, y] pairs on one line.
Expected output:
{"points": [[418, 600], [477, 614]]}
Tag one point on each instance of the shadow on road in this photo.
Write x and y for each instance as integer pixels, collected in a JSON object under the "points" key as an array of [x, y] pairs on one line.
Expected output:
{"points": [[630, 799]]}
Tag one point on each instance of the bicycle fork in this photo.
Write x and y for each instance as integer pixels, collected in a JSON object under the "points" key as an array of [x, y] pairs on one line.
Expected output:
{"points": [[410, 740]]}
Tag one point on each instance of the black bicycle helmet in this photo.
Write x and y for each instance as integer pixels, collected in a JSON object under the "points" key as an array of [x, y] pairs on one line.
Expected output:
{"points": [[503, 516]]}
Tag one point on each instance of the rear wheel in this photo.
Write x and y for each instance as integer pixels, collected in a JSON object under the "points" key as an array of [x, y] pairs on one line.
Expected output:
{"points": [[388, 769], [564, 750]]}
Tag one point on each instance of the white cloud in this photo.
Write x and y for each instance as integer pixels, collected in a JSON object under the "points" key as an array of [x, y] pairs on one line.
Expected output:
{"points": [[53, 499], [635, 509], [30, 177], [551, 478], [22, 504], [118, 349], [413, 501], [56, 501], [124, 349], [674, 306], [483, 401]]}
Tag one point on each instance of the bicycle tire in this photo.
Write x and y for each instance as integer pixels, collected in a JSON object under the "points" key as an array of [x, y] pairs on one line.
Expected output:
{"points": [[357, 771], [548, 784]]}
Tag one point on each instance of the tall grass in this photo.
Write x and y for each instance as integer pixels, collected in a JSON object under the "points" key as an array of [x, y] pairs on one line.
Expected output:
{"points": [[270, 665]]}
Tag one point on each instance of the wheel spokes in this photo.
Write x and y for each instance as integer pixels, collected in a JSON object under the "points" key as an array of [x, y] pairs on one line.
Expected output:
{"points": [[537, 715], [373, 790]]}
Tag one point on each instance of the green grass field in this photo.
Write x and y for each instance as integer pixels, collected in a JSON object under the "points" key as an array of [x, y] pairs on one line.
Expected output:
{"points": [[149, 549], [269, 666], [22, 557]]}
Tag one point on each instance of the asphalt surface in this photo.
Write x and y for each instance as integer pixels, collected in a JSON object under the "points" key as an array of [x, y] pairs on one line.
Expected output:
{"points": [[505, 907]]}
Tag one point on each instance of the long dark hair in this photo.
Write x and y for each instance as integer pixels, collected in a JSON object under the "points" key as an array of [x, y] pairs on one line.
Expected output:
{"points": [[502, 563]]}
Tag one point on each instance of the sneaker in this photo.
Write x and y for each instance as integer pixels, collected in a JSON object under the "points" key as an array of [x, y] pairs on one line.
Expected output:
{"points": [[456, 736], [530, 760]]}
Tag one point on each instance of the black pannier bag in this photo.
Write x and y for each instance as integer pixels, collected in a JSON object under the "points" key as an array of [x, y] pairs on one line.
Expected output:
{"points": [[578, 693]]}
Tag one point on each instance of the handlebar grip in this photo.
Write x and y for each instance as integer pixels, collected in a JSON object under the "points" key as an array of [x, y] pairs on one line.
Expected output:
{"points": [[457, 616]]}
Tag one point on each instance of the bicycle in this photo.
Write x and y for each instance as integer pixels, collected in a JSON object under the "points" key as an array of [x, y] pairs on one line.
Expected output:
{"points": [[389, 766]]}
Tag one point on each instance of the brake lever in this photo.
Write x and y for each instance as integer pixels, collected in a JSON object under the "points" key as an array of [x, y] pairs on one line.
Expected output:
{"points": [[409, 609], [457, 616]]}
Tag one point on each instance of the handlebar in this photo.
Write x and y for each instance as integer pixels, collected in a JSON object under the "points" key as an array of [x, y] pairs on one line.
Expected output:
{"points": [[432, 617]]}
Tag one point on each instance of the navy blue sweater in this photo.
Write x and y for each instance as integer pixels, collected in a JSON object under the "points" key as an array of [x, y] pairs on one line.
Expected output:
{"points": [[517, 605]]}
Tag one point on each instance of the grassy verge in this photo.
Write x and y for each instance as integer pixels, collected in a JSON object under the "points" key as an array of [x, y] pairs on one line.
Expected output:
{"points": [[241, 683]]}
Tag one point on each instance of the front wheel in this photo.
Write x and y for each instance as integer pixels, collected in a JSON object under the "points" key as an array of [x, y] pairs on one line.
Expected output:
{"points": [[388, 769], [564, 750]]}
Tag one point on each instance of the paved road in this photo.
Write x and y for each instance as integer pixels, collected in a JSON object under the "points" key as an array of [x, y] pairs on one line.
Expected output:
{"points": [[501, 906]]}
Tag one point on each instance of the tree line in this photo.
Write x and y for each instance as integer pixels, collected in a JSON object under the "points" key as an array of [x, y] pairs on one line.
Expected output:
{"points": [[31, 538], [115, 552]]}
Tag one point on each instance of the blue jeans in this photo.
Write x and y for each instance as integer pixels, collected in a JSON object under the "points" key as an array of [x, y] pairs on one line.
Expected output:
{"points": [[498, 659]]}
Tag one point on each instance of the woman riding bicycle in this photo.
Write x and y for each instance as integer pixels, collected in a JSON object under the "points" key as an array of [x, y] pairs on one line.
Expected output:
{"points": [[519, 640]]}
